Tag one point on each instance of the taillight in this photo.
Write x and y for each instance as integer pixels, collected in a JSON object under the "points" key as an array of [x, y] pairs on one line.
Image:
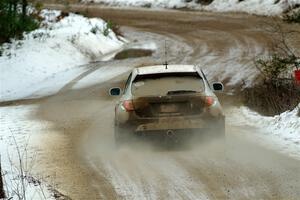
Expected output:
{"points": [[209, 101], [128, 105]]}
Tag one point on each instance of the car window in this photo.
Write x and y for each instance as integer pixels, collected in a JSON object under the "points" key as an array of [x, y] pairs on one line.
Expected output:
{"points": [[167, 84]]}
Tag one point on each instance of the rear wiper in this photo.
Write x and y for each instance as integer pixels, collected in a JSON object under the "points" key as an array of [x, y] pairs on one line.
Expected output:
{"points": [[175, 92]]}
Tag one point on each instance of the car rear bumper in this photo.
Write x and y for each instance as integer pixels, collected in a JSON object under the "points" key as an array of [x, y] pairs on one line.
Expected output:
{"points": [[171, 134], [172, 124], [176, 124]]}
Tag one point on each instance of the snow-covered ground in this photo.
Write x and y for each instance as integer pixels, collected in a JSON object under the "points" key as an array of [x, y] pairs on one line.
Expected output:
{"points": [[58, 47], [17, 131], [281, 132], [259, 7]]}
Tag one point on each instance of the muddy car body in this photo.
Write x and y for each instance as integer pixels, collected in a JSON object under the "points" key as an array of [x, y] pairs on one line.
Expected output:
{"points": [[166, 101]]}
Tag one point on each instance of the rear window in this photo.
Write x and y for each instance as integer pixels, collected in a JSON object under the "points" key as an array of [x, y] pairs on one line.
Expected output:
{"points": [[167, 84]]}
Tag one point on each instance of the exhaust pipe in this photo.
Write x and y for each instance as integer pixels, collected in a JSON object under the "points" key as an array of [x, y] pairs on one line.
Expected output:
{"points": [[172, 136], [170, 133]]}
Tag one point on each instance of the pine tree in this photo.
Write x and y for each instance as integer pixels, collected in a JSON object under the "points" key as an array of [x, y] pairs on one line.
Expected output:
{"points": [[14, 22]]}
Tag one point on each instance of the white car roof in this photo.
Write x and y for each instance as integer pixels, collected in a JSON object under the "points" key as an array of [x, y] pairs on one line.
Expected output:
{"points": [[163, 69]]}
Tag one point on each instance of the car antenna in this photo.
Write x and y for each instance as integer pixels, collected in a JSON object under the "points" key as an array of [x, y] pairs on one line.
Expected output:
{"points": [[166, 55]]}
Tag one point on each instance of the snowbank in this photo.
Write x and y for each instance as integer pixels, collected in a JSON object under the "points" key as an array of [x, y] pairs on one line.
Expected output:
{"points": [[58, 46], [17, 131], [19, 128], [265, 7], [260, 7], [286, 124], [282, 130]]}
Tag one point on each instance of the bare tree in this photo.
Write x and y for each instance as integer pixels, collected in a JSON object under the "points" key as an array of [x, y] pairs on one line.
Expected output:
{"points": [[277, 90], [283, 57]]}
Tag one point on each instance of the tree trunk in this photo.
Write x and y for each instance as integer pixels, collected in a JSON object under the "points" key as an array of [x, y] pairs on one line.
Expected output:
{"points": [[2, 194], [24, 8]]}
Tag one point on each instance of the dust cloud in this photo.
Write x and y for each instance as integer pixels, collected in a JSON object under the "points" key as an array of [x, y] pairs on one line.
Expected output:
{"points": [[214, 169]]}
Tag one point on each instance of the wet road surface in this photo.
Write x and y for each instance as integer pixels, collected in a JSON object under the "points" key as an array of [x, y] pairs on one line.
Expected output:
{"points": [[79, 153]]}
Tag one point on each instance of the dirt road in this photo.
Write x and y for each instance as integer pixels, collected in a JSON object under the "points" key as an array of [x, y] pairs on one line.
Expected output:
{"points": [[79, 154]]}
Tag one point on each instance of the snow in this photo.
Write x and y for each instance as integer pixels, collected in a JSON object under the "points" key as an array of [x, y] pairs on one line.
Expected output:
{"points": [[265, 7], [18, 124], [279, 132], [42, 64], [17, 132], [58, 47], [145, 45], [259, 7]]}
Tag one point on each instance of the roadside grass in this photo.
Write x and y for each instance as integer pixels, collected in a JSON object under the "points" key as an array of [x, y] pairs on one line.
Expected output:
{"points": [[272, 98], [110, 25], [17, 180], [276, 91], [293, 17], [133, 53], [116, 29]]}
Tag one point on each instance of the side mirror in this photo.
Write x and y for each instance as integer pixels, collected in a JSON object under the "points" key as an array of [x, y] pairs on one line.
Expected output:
{"points": [[218, 86], [115, 91]]}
